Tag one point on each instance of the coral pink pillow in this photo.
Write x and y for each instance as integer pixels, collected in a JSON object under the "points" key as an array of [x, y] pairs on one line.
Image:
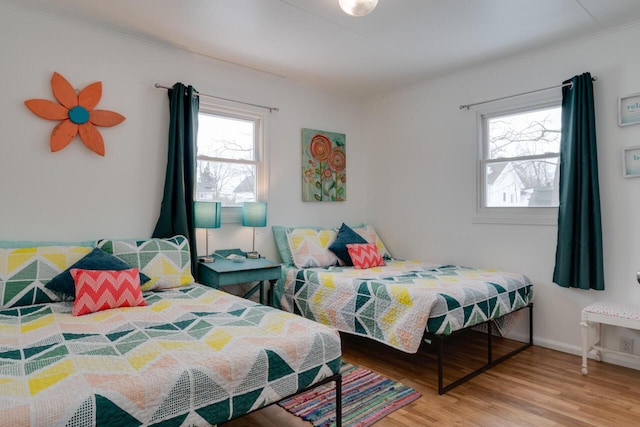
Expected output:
{"points": [[98, 290], [365, 255]]}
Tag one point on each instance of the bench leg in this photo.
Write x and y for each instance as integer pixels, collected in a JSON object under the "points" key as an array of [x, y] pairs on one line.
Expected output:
{"points": [[598, 352], [585, 346]]}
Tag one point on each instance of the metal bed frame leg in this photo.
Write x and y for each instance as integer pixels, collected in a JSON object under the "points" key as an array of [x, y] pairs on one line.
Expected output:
{"points": [[339, 400], [442, 389], [337, 378], [440, 367], [489, 341]]}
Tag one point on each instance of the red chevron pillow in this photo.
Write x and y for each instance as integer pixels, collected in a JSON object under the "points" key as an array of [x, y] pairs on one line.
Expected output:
{"points": [[365, 255], [98, 290]]}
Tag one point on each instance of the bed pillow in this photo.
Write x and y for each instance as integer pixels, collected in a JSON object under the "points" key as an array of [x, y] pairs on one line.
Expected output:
{"points": [[282, 243], [370, 235], [310, 248], [98, 290], [365, 255], [24, 272], [97, 259], [34, 243], [167, 262], [345, 236], [280, 236]]}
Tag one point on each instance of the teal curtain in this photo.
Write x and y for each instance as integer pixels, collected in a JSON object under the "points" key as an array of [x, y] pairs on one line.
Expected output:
{"points": [[579, 247], [176, 210]]}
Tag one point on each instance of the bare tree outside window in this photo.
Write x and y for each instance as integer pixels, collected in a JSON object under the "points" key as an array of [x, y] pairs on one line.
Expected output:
{"points": [[520, 161], [227, 159]]}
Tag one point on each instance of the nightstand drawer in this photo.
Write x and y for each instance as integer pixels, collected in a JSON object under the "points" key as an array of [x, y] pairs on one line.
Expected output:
{"points": [[210, 277], [224, 272]]}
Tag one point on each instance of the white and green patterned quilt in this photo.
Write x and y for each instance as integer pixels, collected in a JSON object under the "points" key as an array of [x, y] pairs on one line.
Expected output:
{"points": [[192, 356], [396, 303]]}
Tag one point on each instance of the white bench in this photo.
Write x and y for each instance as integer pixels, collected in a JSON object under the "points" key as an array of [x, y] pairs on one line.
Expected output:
{"points": [[605, 313]]}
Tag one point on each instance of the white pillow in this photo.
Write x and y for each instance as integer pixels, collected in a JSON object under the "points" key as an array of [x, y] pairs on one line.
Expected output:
{"points": [[310, 248], [369, 234]]}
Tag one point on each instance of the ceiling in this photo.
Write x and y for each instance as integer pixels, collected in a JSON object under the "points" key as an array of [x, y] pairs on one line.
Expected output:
{"points": [[401, 43]]}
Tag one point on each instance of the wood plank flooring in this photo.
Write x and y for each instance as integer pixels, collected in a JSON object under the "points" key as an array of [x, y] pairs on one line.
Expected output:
{"points": [[538, 387]]}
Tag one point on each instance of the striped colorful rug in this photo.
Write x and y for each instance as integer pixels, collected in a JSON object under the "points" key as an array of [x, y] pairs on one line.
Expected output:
{"points": [[366, 398]]}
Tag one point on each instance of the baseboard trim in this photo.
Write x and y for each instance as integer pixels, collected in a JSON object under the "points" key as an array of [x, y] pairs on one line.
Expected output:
{"points": [[611, 356]]}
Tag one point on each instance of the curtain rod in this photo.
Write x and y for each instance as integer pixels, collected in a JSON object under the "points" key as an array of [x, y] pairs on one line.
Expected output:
{"points": [[271, 109], [467, 106]]}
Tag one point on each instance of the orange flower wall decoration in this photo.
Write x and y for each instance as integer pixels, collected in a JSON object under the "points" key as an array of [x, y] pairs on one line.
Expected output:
{"points": [[76, 113]]}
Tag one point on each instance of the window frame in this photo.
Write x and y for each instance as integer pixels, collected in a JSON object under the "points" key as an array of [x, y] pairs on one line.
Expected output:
{"points": [[233, 214], [525, 215]]}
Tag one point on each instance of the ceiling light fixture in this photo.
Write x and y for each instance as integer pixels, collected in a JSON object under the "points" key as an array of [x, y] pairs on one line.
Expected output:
{"points": [[357, 7]]}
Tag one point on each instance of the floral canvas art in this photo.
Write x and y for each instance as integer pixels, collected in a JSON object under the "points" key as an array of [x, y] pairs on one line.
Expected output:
{"points": [[324, 176]]}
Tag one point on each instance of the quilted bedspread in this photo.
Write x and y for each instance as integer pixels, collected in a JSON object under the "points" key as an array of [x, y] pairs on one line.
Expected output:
{"points": [[396, 303], [192, 356]]}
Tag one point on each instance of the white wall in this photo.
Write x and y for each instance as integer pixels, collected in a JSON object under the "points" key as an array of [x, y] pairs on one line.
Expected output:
{"points": [[75, 194], [422, 166], [411, 155]]}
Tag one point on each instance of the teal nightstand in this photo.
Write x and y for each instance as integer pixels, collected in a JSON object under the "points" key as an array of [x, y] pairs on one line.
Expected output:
{"points": [[224, 272]]}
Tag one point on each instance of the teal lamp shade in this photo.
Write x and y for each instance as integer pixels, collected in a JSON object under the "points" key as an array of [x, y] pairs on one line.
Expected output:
{"points": [[207, 214], [254, 214]]}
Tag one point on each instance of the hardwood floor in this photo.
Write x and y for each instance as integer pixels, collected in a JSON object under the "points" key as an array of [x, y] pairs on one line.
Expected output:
{"points": [[537, 387]]}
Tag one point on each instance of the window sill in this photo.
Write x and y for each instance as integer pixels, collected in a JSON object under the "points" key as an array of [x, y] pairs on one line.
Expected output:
{"points": [[546, 220]]}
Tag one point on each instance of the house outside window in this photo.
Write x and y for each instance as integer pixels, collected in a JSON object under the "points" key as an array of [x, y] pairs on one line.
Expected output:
{"points": [[518, 161], [231, 166]]}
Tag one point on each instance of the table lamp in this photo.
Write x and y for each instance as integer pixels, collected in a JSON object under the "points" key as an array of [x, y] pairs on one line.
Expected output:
{"points": [[254, 214], [207, 215]]}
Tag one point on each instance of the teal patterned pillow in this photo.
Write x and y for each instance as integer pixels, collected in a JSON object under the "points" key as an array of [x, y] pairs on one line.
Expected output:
{"points": [[33, 243], [166, 261], [24, 272]]}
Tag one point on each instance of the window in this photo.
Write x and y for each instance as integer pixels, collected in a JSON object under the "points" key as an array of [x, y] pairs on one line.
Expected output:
{"points": [[230, 164], [519, 163]]}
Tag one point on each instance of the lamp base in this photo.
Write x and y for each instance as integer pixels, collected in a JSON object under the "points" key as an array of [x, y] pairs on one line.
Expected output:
{"points": [[206, 259], [253, 255]]}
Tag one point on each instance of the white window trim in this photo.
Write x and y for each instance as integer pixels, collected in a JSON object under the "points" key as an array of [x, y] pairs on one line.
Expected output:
{"points": [[233, 214], [534, 215]]}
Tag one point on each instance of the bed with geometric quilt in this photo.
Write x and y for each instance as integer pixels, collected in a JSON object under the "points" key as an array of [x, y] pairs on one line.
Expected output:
{"points": [[346, 278], [188, 355], [398, 302]]}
